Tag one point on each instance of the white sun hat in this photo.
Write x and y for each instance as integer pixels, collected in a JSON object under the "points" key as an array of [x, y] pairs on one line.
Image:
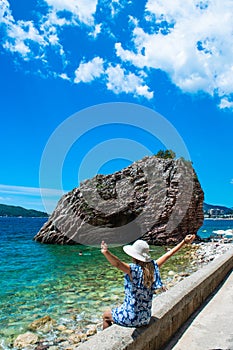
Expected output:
{"points": [[138, 250]]}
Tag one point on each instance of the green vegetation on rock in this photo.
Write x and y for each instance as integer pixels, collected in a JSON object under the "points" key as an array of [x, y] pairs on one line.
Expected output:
{"points": [[168, 154]]}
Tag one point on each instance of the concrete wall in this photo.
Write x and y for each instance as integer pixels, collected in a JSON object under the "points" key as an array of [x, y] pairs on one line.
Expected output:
{"points": [[169, 311]]}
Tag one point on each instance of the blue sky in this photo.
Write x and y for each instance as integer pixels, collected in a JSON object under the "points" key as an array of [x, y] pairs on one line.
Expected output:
{"points": [[59, 57]]}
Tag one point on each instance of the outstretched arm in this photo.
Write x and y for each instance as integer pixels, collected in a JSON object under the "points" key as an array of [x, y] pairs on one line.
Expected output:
{"points": [[188, 239], [114, 261]]}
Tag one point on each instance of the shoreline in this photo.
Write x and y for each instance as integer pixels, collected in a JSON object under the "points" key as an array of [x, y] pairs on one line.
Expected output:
{"points": [[215, 219], [45, 333]]}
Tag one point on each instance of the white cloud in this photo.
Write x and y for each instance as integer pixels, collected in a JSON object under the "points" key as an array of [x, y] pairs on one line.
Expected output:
{"points": [[116, 6], [126, 55], [53, 39], [30, 191], [32, 41], [20, 35], [189, 40], [30, 197], [51, 22], [97, 30], [82, 9], [86, 72], [119, 80], [168, 10], [5, 199], [194, 50], [5, 12], [18, 46], [64, 76], [225, 103]]}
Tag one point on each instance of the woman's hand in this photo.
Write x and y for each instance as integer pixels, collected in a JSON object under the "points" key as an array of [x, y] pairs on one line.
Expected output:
{"points": [[114, 261], [189, 239], [104, 247]]}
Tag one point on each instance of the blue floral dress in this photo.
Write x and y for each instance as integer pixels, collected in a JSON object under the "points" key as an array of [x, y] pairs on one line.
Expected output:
{"points": [[136, 308]]}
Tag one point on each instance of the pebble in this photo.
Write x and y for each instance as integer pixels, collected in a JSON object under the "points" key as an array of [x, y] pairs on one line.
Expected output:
{"points": [[75, 338], [61, 327], [44, 323], [68, 331], [42, 347], [171, 273], [64, 344], [91, 331], [25, 339]]}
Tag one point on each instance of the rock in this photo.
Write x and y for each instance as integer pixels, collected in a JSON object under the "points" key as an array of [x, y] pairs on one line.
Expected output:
{"points": [[60, 339], [184, 274], [75, 338], [44, 324], [83, 337], [159, 200], [26, 339], [171, 273], [68, 331], [61, 327], [41, 347], [91, 331], [178, 278], [65, 344]]}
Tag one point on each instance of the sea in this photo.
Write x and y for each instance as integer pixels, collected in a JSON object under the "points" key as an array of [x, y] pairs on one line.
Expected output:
{"points": [[71, 284]]}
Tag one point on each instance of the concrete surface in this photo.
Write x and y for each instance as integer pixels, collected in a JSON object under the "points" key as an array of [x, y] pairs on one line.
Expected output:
{"points": [[211, 327]]}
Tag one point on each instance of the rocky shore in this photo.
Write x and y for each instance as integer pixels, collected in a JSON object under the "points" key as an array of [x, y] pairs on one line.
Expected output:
{"points": [[200, 255], [45, 333]]}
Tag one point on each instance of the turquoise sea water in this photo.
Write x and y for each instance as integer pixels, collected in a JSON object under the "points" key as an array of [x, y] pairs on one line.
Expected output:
{"points": [[38, 279], [211, 225]]}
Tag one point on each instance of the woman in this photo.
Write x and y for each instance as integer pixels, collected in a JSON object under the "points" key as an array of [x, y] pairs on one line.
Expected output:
{"points": [[141, 279]]}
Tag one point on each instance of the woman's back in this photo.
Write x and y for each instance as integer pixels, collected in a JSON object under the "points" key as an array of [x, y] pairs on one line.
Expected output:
{"points": [[136, 309]]}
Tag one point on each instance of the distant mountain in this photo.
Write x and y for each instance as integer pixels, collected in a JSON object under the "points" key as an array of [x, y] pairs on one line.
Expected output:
{"points": [[11, 210], [226, 210]]}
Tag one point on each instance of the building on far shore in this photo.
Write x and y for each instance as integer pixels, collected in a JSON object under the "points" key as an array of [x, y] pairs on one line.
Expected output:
{"points": [[217, 213]]}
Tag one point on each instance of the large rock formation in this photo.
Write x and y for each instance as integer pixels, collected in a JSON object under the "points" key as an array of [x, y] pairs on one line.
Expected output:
{"points": [[159, 200]]}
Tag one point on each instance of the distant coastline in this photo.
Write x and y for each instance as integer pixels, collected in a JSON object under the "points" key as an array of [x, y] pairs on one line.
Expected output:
{"points": [[16, 211], [211, 212]]}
